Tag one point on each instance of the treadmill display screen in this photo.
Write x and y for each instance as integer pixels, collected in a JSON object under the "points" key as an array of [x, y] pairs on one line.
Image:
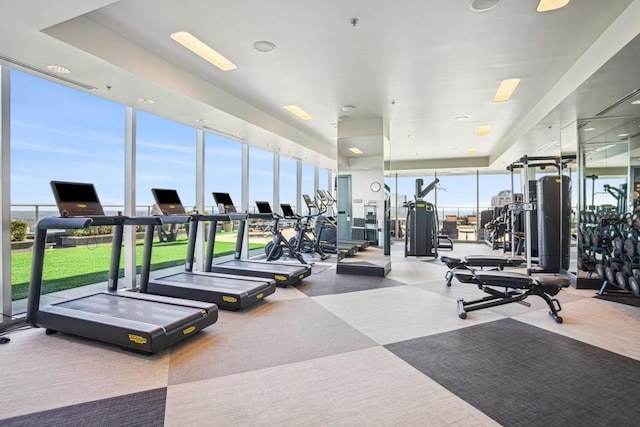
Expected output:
{"points": [[264, 207], [76, 199], [287, 211], [225, 200], [168, 201]]}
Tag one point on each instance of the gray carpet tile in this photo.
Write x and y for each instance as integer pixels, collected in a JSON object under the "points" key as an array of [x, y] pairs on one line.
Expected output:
{"points": [[369, 387], [328, 283], [269, 334], [521, 375], [146, 408]]}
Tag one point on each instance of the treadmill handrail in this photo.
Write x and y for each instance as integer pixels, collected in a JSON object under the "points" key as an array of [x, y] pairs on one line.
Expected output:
{"points": [[63, 223]]}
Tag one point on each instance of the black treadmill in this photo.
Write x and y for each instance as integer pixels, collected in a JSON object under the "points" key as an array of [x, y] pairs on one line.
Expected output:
{"points": [[227, 291], [134, 321], [284, 274]]}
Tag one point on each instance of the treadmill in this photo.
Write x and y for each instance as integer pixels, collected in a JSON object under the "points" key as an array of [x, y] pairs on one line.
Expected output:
{"points": [[284, 274], [134, 321], [226, 291]]}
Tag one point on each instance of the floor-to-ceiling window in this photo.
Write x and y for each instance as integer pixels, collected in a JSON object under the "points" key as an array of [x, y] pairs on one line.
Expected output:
{"points": [[60, 133], [288, 180], [260, 176], [308, 186]]}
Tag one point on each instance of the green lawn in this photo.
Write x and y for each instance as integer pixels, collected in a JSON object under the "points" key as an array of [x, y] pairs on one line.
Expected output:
{"points": [[73, 267]]}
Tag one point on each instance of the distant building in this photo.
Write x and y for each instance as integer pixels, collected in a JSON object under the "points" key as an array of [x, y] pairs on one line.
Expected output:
{"points": [[501, 199]]}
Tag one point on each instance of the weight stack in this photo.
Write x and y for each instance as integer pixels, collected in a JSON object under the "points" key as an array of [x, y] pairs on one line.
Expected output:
{"points": [[554, 222]]}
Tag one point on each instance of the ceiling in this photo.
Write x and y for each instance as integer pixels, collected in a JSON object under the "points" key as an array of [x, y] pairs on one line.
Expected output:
{"points": [[417, 64]]}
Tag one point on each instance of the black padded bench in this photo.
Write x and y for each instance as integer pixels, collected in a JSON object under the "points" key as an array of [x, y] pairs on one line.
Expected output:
{"points": [[461, 268], [516, 288]]}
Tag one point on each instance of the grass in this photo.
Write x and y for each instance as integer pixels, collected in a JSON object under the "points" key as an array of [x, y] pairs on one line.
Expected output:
{"points": [[73, 267]]}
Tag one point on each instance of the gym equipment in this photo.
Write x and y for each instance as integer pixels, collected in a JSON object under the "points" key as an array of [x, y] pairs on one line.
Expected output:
{"points": [[134, 321], [471, 262], [421, 236], [301, 242], [283, 274], [516, 288], [326, 232], [227, 291], [325, 203]]}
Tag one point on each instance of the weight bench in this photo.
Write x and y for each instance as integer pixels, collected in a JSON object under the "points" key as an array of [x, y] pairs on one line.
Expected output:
{"points": [[517, 287], [462, 268]]}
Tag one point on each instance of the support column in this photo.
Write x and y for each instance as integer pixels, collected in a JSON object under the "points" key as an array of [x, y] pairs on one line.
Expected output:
{"points": [[130, 197], [5, 194], [200, 190], [245, 196], [276, 182]]}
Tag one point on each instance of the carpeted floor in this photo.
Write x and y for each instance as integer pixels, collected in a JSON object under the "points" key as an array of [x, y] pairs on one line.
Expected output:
{"points": [[347, 350], [520, 375]]}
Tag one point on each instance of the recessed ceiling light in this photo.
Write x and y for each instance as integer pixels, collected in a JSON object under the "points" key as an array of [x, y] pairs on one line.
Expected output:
{"points": [[506, 89], [348, 107], [461, 119], [58, 69], [298, 112], [201, 121], [622, 135], [145, 101], [547, 5], [636, 102], [355, 150], [203, 51], [473, 150], [482, 5], [344, 117], [484, 130], [588, 129], [264, 46]]}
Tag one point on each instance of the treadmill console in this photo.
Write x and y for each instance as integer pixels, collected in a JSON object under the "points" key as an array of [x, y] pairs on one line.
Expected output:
{"points": [[168, 201], [287, 211], [224, 202], [75, 199], [264, 207]]}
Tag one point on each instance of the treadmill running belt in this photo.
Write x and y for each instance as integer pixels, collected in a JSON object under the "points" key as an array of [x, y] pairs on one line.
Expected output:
{"points": [[263, 266], [131, 308], [217, 283]]}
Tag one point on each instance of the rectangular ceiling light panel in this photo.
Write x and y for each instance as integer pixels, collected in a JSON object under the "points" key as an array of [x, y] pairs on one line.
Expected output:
{"points": [[202, 50], [506, 89], [298, 112], [547, 5], [484, 130], [355, 150]]}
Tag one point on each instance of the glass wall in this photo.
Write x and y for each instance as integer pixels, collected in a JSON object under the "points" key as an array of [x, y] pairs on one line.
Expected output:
{"points": [[260, 176], [223, 170], [58, 133], [165, 158], [288, 180], [308, 183]]}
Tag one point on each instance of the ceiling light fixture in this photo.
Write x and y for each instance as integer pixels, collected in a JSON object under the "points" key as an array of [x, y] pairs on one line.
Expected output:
{"points": [[264, 46], [482, 5], [461, 119], [298, 112], [636, 102], [622, 135], [355, 150], [201, 121], [145, 101], [483, 130], [58, 69], [547, 5], [506, 89], [344, 117], [473, 150], [588, 129], [202, 50], [348, 107]]}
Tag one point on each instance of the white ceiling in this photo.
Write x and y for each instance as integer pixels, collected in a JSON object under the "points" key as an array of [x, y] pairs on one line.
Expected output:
{"points": [[417, 64]]}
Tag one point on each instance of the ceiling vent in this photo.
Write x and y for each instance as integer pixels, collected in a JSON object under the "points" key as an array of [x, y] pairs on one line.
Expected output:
{"points": [[48, 73], [618, 102]]}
